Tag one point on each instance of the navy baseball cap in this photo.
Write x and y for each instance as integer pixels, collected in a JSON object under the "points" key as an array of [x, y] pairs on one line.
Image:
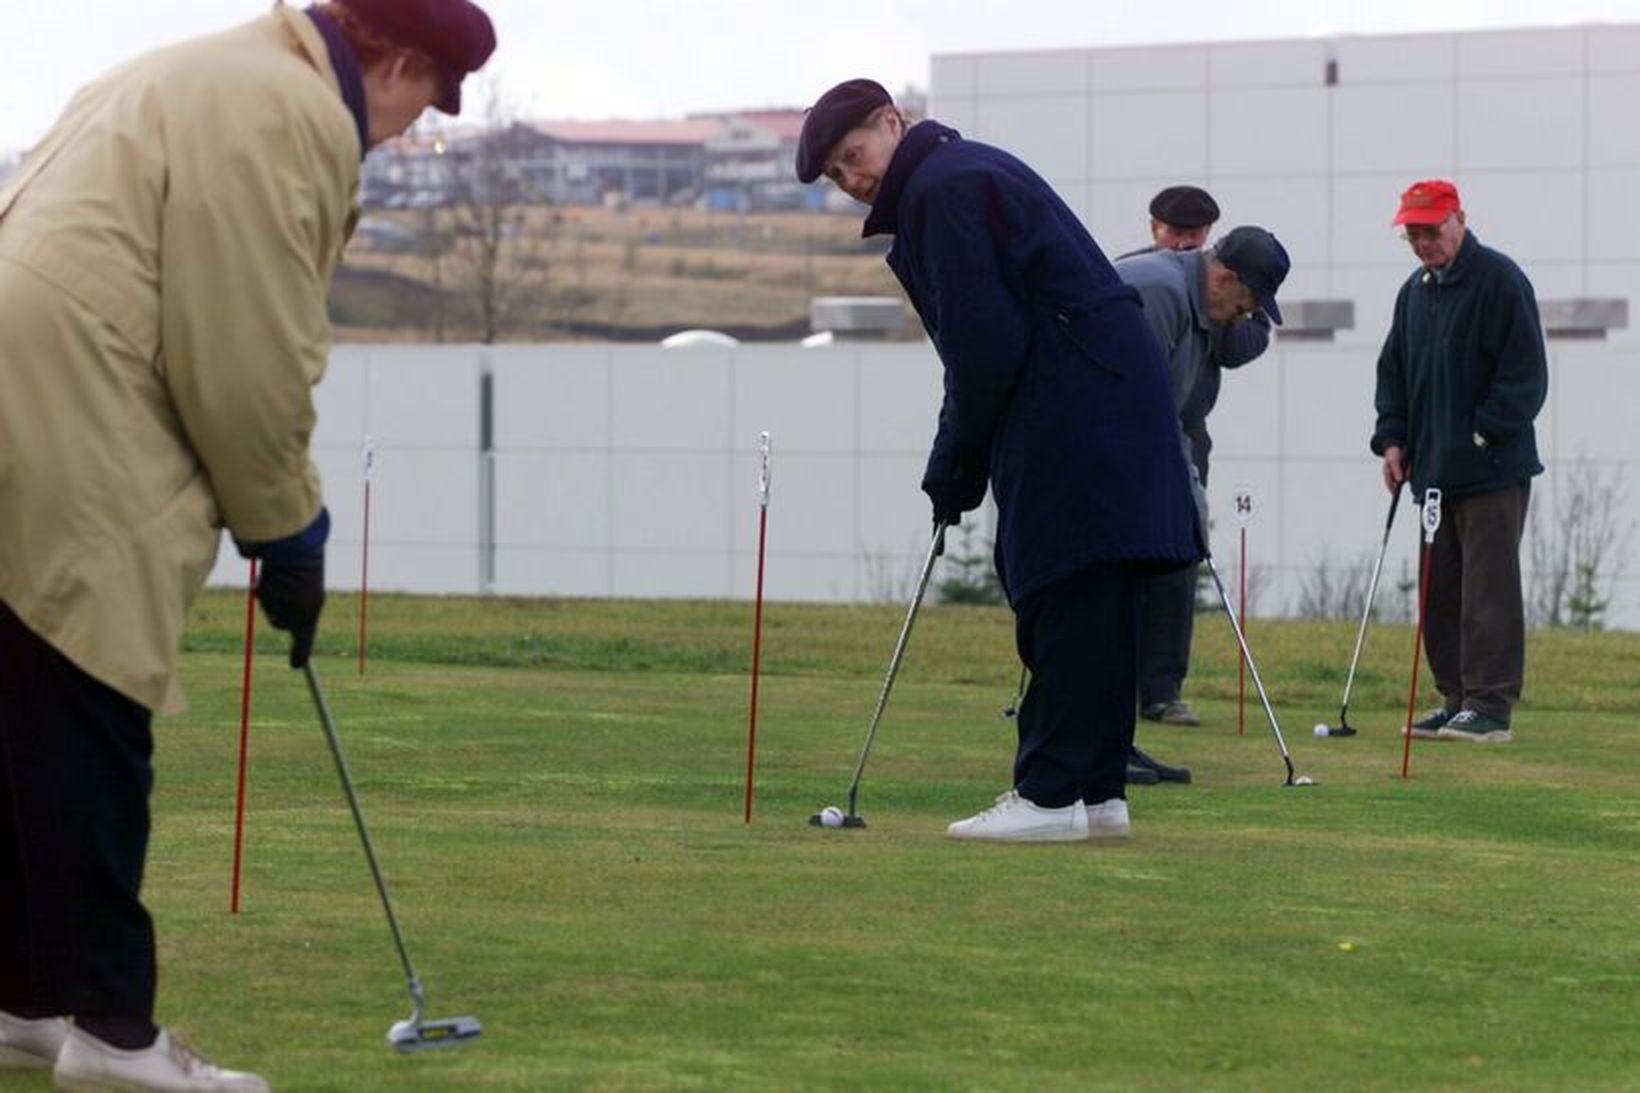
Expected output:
{"points": [[1259, 260], [455, 34], [842, 108]]}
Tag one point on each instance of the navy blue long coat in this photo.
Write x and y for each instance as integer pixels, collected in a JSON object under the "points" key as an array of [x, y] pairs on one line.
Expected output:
{"points": [[1052, 376]]}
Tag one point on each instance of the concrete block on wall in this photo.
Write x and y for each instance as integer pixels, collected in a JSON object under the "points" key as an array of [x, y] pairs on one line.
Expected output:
{"points": [[1269, 131], [1034, 72], [1147, 68], [1542, 51], [1048, 132], [557, 397], [1520, 124], [1148, 134], [1396, 58], [1404, 128], [424, 396], [1300, 63], [679, 400]]}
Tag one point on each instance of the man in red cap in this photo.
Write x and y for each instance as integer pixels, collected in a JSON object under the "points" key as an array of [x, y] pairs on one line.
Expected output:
{"points": [[1461, 377], [164, 258]]}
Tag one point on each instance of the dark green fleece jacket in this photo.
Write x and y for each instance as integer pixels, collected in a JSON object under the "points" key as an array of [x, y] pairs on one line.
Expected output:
{"points": [[1464, 360]]}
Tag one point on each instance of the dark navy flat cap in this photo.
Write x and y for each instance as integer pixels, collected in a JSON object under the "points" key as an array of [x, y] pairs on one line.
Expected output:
{"points": [[836, 112], [456, 34], [1185, 207], [1259, 259]]}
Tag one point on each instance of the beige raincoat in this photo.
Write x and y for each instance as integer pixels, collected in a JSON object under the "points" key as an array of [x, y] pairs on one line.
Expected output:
{"points": [[164, 259]]}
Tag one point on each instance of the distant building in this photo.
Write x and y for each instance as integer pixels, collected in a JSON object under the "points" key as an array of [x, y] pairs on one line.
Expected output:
{"points": [[739, 161], [748, 164]]}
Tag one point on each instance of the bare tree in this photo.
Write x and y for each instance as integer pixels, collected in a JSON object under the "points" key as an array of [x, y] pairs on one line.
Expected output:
{"points": [[1335, 591], [499, 260], [1579, 548]]}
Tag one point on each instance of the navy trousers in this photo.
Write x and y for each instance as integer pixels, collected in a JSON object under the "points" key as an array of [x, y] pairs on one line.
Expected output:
{"points": [[75, 775], [1076, 721]]}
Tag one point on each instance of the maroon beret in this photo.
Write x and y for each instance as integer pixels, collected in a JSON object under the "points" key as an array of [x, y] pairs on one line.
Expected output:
{"points": [[456, 34], [842, 108]]}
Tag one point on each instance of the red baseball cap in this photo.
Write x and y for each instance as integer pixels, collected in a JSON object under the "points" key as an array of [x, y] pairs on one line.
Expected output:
{"points": [[1428, 202]]}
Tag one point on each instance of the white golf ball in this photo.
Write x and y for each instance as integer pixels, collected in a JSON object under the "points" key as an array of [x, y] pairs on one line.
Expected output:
{"points": [[1321, 729], [831, 816]]}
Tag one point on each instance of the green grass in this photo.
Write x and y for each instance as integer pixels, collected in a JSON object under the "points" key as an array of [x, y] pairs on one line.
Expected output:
{"points": [[555, 791]]}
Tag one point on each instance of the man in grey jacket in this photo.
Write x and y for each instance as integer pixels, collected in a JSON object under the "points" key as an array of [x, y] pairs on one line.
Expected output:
{"points": [[1180, 219], [1199, 305]]}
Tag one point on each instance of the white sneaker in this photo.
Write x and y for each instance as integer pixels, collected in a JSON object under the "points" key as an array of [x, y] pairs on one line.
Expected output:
{"points": [[30, 1045], [1015, 819], [1108, 819], [168, 1064]]}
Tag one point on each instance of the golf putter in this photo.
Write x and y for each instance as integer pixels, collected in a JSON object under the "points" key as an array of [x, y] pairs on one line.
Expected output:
{"points": [[1252, 669], [416, 1032], [1011, 710], [1344, 728], [935, 549]]}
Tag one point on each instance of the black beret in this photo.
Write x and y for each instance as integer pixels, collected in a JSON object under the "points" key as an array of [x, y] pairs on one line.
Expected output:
{"points": [[1184, 207], [456, 34], [842, 108]]}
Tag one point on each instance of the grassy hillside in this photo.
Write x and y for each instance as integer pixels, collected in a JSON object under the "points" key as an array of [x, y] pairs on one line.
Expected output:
{"points": [[602, 274]]}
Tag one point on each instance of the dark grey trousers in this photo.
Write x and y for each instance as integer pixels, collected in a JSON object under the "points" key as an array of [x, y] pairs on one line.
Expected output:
{"points": [[75, 773], [1475, 620], [1167, 613]]}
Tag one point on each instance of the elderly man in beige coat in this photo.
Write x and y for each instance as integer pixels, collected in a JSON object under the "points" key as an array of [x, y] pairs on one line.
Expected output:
{"points": [[164, 259]]}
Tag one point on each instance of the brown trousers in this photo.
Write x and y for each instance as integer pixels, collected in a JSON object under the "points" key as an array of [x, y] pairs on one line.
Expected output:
{"points": [[1475, 620]]}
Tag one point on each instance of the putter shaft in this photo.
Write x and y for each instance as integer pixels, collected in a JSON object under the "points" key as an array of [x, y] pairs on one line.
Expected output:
{"points": [[1366, 611], [1252, 668], [935, 547]]}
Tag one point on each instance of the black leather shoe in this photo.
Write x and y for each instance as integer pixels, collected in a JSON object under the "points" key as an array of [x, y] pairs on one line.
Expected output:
{"points": [[1159, 771], [1141, 776]]}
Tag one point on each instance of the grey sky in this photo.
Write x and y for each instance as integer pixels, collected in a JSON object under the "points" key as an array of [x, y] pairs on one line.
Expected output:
{"points": [[664, 58]]}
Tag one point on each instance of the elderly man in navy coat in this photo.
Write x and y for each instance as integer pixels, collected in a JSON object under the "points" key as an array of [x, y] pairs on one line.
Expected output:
{"points": [[1057, 397]]}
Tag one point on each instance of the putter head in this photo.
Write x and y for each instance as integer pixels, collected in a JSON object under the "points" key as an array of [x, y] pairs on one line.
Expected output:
{"points": [[849, 820], [1010, 711], [413, 1035], [1300, 782], [1343, 728]]}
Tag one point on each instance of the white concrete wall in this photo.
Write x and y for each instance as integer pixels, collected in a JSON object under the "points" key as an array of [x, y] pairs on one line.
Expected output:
{"points": [[629, 471], [1536, 127], [633, 471]]}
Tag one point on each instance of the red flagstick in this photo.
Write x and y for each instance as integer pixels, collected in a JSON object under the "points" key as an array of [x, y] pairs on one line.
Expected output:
{"points": [[757, 617], [244, 737], [1432, 520], [1241, 669], [364, 572]]}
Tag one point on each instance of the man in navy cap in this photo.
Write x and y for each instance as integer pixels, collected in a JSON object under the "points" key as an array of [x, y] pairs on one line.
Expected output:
{"points": [[1181, 217], [1192, 296], [1057, 398], [164, 258]]}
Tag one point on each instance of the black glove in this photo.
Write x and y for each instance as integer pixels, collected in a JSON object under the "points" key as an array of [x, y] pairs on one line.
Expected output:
{"points": [[954, 496], [292, 594], [960, 489]]}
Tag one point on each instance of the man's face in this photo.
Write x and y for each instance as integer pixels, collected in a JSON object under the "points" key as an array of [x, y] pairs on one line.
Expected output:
{"points": [[859, 161], [396, 92], [1436, 244], [1228, 300], [1168, 237]]}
